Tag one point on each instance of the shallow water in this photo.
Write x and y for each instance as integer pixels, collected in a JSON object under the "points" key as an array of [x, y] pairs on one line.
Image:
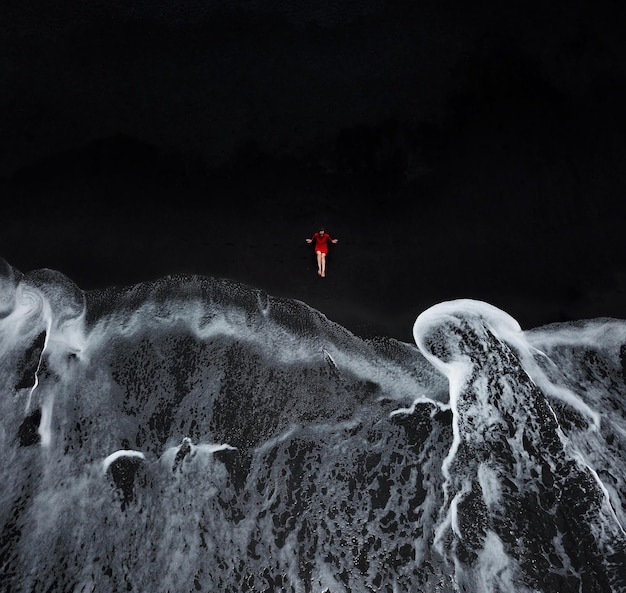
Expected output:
{"points": [[195, 434]]}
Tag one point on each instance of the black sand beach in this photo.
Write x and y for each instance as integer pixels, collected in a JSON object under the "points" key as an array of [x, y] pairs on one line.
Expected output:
{"points": [[458, 231], [455, 151]]}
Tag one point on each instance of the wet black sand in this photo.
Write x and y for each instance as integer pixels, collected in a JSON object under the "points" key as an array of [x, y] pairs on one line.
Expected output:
{"points": [[518, 234]]}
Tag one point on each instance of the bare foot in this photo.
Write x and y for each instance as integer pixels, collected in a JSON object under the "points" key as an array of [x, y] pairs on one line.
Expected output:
{"points": [[319, 273], [323, 274]]}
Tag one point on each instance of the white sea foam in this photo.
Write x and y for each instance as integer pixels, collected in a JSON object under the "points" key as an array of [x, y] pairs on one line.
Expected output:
{"points": [[277, 451], [109, 459], [487, 396]]}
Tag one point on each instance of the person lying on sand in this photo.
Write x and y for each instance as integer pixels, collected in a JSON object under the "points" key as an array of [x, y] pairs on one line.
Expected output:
{"points": [[321, 239]]}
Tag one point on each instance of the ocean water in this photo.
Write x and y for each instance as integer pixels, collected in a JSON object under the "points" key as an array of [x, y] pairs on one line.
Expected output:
{"points": [[195, 434]]}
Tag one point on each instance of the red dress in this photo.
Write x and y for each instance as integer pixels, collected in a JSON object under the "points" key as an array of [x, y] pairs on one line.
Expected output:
{"points": [[321, 242]]}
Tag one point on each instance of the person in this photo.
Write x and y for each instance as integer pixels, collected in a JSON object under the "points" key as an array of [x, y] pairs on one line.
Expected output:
{"points": [[321, 239]]}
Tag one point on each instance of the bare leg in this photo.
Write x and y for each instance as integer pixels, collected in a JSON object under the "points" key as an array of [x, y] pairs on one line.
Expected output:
{"points": [[323, 264], [319, 262]]}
